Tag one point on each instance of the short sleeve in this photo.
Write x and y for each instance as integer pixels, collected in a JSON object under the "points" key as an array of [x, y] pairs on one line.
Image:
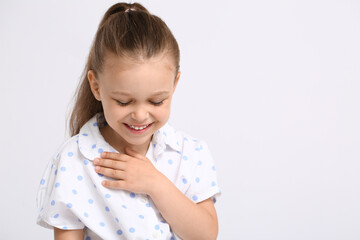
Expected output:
{"points": [[54, 205], [204, 183]]}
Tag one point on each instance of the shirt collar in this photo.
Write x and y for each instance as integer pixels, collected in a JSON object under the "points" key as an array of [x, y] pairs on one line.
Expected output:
{"points": [[165, 136], [92, 143]]}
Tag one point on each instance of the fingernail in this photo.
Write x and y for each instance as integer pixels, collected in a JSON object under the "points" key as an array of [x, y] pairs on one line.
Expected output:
{"points": [[97, 168], [96, 160]]}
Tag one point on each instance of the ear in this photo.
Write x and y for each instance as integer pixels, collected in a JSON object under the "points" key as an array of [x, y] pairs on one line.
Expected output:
{"points": [[176, 80], [94, 84]]}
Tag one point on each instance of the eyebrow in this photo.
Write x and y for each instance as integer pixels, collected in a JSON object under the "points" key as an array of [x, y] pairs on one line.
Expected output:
{"points": [[127, 94]]}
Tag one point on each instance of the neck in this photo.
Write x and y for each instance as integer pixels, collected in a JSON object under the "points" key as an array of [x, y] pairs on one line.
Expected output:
{"points": [[119, 144]]}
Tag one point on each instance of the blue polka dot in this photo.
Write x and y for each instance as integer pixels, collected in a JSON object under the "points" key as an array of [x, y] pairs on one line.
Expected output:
{"points": [[86, 214], [213, 183], [164, 133], [55, 172], [199, 163], [214, 200], [65, 228], [213, 168], [148, 205], [86, 162], [157, 227], [186, 139], [69, 205], [201, 147], [197, 180], [124, 206], [116, 219], [170, 161], [172, 238], [119, 232], [197, 149], [90, 201], [107, 195], [132, 195], [184, 180], [79, 178], [56, 215], [88, 238], [102, 224], [52, 203], [107, 209], [195, 198], [185, 157], [57, 184], [178, 152], [42, 182], [70, 154], [132, 230], [95, 124], [93, 146], [141, 216], [154, 145], [74, 191], [94, 185], [100, 150], [63, 169], [85, 134]]}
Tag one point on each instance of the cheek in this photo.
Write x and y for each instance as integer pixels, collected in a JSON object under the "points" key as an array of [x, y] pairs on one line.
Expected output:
{"points": [[163, 113], [113, 110]]}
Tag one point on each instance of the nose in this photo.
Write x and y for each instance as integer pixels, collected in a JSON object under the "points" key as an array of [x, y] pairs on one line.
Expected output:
{"points": [[140, 114]]}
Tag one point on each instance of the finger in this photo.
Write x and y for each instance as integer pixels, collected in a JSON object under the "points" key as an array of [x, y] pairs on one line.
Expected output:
{"points": [[114, 155], [109, 163], [134, 154], [120, 184], [109, 172]]}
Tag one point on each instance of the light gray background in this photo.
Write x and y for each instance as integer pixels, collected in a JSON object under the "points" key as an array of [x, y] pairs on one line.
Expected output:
{"points": [[272, 86]]}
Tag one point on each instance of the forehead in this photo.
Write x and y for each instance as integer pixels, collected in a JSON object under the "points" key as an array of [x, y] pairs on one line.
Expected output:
{"points": [[122, 63], [137, 75]]}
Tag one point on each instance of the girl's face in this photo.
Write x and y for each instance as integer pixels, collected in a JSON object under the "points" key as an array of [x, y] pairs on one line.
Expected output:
{"points": [[136, 98]]}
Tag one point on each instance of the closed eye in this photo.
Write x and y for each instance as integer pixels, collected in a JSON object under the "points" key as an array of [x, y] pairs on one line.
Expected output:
{"points": [[122, 103], [157, 103]]}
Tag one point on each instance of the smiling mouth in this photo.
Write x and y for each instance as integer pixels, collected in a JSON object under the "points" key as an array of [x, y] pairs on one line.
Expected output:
{"points": [[138, 127]]}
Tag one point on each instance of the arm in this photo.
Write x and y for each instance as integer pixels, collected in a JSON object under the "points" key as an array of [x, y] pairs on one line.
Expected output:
{"points": [[187, 219], [136, 173], [60, 234]]}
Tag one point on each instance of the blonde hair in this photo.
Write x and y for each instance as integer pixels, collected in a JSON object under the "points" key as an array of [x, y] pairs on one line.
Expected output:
{"points": [[127, 30]]}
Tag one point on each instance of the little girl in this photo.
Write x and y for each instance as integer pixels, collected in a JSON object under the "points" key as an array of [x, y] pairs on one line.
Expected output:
{"points": [[126, 173]]}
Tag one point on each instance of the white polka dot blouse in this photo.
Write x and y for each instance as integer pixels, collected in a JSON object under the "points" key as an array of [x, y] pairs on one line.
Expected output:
{"points": [[71, 196]]}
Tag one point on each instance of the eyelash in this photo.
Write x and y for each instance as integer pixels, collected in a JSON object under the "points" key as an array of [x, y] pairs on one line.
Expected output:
{"points": [[122, 104], [157, 103], [153, 103]]}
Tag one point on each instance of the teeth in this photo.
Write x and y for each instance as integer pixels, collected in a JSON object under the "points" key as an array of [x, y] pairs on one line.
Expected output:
{"points": [[138, 128]]}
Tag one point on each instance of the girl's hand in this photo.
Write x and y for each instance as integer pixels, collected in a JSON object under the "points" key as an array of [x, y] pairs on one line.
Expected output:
{"points": [[132, 171]]}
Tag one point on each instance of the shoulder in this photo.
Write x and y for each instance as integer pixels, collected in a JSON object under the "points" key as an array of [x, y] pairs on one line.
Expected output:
{"points": [[68, 155], [183, 140], [68, 147]]}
